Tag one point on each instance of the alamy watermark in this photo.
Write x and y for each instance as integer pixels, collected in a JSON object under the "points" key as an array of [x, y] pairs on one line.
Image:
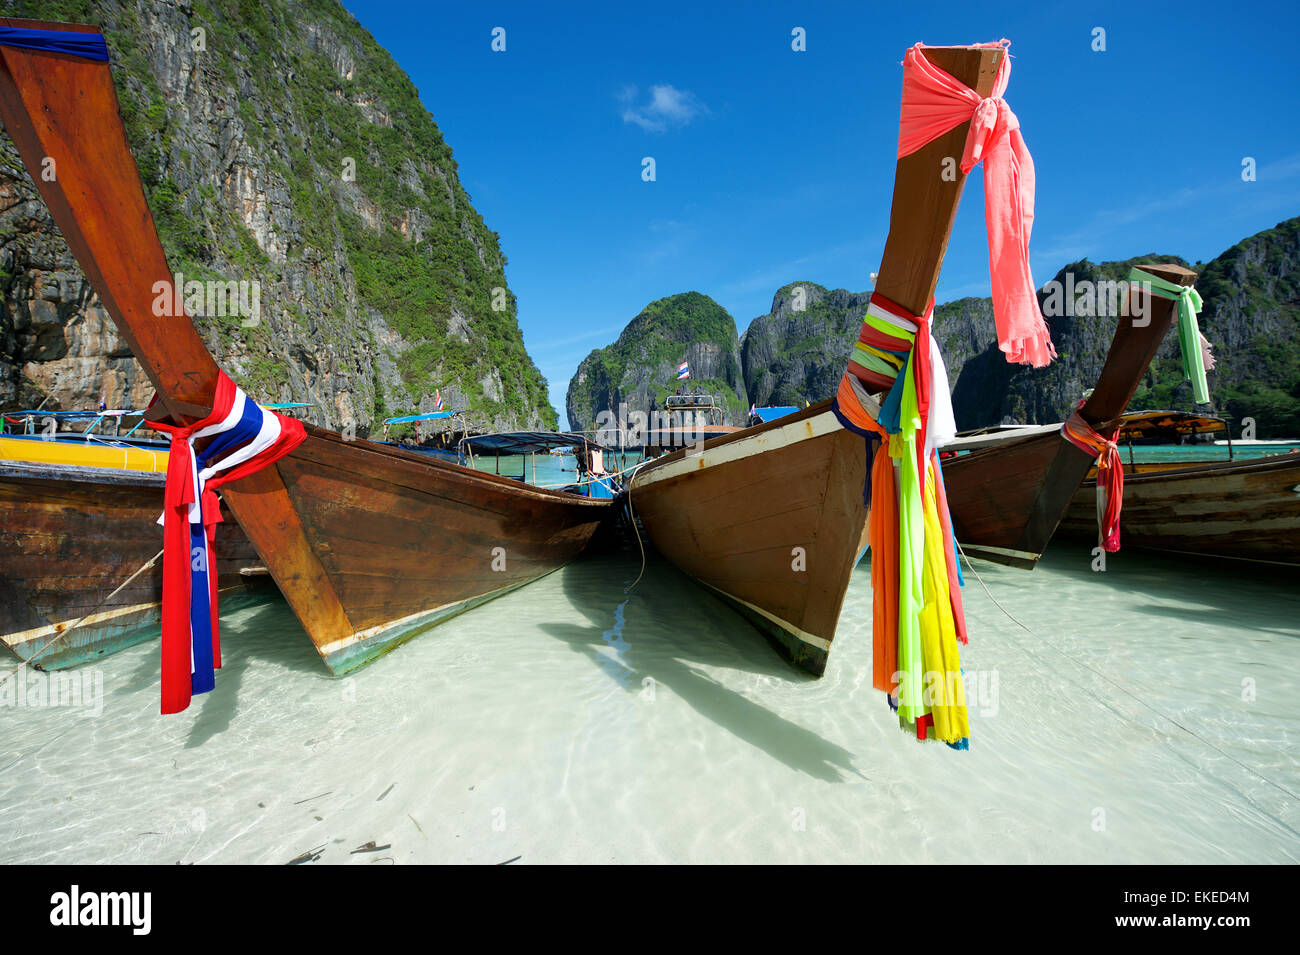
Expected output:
{"points": [[211, 298], [1089, 299], [35, 689], [979, 689], [638, 429]]}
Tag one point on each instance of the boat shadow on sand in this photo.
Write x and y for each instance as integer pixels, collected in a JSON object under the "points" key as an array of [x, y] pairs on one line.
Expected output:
{"points": [[668, 629], [258, 630], [1217, 592]]}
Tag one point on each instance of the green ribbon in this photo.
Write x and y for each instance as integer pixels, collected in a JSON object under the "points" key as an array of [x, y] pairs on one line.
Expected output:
{"points": [[1189, 303]]}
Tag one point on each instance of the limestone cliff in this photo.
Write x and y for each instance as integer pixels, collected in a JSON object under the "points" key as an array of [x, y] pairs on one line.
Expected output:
{"points": [[640, 369], [797, 351], [278, 145]]}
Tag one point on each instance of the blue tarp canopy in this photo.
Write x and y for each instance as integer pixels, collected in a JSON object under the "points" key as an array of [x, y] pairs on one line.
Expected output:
{"points": [[771, 414], [112, 412], [431, 416], [522, 442]]}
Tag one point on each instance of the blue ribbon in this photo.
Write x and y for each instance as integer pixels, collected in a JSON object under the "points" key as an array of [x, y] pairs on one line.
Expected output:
{"points": [[89, 46]]}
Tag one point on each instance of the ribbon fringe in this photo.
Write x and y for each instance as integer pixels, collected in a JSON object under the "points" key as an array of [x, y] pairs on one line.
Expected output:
{"points": [[1198, 358], [1110, 476], [917, 614], [934, 103]]}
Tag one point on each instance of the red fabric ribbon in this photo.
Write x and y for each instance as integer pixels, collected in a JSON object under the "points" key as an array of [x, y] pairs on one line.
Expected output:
{"points": [[1110, 474], [178, 495], [935, 102], [921, 376]]}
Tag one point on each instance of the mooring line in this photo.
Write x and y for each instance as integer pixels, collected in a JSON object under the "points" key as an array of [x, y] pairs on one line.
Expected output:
{"points": [[631, 515]]}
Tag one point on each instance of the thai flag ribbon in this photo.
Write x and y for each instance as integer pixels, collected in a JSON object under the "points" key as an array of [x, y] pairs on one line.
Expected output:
{"points": [[244, 438]]}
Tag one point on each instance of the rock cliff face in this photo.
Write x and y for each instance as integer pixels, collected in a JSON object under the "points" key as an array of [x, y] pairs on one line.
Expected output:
{"points": [[1252, 318], [797, 352], [988, 390], [279, 145], [640, 369]]}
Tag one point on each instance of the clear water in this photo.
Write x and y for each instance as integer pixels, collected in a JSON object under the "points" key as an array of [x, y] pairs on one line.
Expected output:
{"points": [[547, 470], [571, 722], [1153, 453]]}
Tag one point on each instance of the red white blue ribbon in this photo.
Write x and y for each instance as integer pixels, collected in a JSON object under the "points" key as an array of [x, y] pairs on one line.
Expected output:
{"points": [[244, 438]]}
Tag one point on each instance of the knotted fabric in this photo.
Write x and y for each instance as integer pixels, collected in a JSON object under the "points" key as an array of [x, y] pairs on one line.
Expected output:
{"points": [[1197, 356], [935, 102], [245, 438], [917, 618], [1110, 476]]}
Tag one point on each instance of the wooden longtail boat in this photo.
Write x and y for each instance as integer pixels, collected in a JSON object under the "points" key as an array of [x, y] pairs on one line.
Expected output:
{"points": [[1245, 509], [772, 517], [1007, 498], [69, 536], [369, 544]]}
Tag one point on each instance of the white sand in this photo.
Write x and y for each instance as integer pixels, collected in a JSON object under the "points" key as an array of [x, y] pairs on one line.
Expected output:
{"points": [[515, 730]]}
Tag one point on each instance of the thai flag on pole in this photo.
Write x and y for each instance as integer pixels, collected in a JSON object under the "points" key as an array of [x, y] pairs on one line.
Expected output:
{"points": [[245, 438], [683, 370], [437, 400]]}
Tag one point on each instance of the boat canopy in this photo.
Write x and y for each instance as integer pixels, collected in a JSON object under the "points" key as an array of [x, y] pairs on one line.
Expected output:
{"points": [[73, 415], [679, 402], [1167, 425], [771, 414], [522, 442], [431, 416]]}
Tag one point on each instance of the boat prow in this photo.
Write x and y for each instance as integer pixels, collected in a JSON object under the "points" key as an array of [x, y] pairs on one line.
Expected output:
{"points": [[770, 518], [369, 544], [1008, 495]]}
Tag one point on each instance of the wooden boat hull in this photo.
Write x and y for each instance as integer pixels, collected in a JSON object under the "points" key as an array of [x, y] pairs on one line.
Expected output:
{"points": [[1248, 510], [401, 542], [771, 518], [738, 516], [369, 544], [1007, 499], [69, 536]]}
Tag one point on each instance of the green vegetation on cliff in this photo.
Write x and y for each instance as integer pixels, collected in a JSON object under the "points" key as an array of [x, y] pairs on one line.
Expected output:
{"points": [[640, 368], [798, 351], [282, 144], [1252, 319]]}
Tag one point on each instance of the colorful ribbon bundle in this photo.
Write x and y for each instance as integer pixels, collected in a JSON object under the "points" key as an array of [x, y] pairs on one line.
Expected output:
{"points": [[1197, 356], [935, 102], [917, 618], [244, 439], [1110, 476]]}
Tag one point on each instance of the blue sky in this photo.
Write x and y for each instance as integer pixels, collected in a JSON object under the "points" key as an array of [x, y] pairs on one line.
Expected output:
{"points": [[774, 166]]}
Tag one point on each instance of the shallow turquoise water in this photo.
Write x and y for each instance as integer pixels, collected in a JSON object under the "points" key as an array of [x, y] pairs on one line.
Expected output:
{"points": [[570, 722], [1152, 453]]}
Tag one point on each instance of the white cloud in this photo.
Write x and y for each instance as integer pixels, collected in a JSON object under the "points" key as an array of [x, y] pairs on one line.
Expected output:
{"points": [[667, 106]]}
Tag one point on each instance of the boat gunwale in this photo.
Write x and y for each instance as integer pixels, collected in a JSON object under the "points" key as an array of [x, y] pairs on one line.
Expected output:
{"points": [[1267, 462], [83, 473], [461, 472], [804, 414]]}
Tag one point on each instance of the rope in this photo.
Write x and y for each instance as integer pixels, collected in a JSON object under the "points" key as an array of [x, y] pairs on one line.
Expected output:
{"points": [[67, 630], [1121, 687], [635, 529]]}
